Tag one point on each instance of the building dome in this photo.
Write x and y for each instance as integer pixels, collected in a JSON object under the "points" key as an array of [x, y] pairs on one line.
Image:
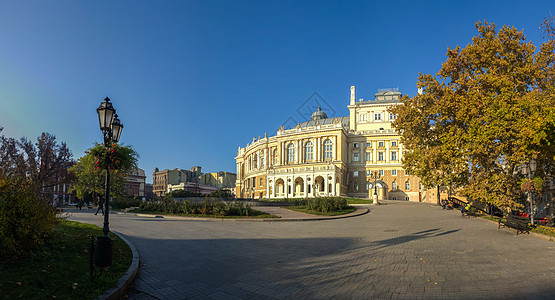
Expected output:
{"points": [[318, 115]]}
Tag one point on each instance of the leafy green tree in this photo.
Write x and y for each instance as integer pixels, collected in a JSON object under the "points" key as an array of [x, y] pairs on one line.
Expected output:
{"points": [[221, 193], [90, 170], [487, 112]]}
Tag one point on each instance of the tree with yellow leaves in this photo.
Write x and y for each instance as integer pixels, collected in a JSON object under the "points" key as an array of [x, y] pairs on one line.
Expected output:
{"points": [[484, 115]]}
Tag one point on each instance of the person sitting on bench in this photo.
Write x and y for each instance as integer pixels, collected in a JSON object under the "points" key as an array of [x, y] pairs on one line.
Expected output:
{"points": [[466, 208]]}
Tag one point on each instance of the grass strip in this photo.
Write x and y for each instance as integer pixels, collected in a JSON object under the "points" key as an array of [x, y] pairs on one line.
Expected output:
{"points": [[546, 230], [255, 215], [60, 270]]}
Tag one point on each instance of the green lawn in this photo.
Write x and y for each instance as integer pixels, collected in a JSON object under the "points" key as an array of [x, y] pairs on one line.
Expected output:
{"points": [[359, 201], [550, 231], [60, 270], [303, 209]]}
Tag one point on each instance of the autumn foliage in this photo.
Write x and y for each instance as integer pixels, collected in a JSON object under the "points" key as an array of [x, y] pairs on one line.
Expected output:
{"points": [[484, 115]]}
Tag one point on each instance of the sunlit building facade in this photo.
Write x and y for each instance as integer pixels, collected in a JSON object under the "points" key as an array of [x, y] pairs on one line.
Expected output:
{"points": [[331, 157]]}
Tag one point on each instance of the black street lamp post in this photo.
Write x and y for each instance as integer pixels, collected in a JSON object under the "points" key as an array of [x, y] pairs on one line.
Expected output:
{"points": [[375, 175], [111, 128]]}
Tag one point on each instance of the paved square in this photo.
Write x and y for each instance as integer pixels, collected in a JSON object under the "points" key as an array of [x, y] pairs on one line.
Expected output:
{"points": [[399, 250]]}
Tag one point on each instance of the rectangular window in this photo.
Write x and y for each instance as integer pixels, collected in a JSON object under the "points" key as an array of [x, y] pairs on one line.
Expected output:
{"points": [[380, 144], [368, 186], [393, 155], [355, 145], [368, 156], [380, 156], [368, 145], [368, 172], [394, 144], [392, 116], [355, 173], [355, 156], [393, 172], [377, 117], [381, 172], [260, 181]]}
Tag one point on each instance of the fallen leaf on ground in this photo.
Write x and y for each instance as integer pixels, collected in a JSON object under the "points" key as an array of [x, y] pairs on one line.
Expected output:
{"points": [[18, 283]]}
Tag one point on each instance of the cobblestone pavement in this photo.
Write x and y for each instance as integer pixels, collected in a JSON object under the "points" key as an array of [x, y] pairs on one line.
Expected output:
{"points": [[399, 250]]}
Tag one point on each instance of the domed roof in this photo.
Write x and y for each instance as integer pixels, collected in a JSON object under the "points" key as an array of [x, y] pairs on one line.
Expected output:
{"points": [[318, 115]]}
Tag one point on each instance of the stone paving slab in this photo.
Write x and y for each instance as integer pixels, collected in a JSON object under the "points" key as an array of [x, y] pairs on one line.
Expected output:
{"points": [[400, 250]]}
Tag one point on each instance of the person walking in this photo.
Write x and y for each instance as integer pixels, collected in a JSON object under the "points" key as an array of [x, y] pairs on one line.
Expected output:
{"points": [[100, 206]]}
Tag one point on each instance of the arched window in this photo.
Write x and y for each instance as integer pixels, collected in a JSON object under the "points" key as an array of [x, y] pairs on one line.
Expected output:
{"points": [[308, 151], [407, 186], [328, 149], [394, 185], [262, 154], [275, 157], [291, 152], [255, 161]]}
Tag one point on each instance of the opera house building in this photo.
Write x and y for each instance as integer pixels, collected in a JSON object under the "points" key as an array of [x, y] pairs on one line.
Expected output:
{"points": [[354, 156]]}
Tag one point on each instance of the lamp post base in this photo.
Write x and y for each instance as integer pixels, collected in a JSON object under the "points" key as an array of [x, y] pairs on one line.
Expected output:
{"points": [[103, 251], [375, 200]]}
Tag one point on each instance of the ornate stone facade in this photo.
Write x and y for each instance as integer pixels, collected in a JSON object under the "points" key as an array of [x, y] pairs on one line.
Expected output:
{"points": [[331, 157]]}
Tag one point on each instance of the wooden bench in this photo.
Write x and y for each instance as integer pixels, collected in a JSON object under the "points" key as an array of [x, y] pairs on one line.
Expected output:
{"points": [[472, 211], [516, 222]]}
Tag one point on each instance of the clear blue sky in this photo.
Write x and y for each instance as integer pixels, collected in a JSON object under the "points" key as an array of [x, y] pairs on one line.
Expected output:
{"points": [[194, 80]]}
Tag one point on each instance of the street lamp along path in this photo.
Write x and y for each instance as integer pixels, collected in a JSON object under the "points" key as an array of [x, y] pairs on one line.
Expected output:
{"points": [[111, 128]]}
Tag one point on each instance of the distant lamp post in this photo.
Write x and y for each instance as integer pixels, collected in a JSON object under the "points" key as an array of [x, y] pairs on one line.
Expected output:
{"points": [[529, 170], [375, 175], [111, 128]]}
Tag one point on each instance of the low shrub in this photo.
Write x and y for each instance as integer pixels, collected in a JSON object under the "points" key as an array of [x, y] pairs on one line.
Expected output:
{"points": [[123, 203], [323, 204], [26, 220], [206, 207]]}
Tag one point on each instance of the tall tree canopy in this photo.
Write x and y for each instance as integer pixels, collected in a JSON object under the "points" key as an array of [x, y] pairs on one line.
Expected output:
{"points": [[90, 170], [489, 110], [44, 163]]}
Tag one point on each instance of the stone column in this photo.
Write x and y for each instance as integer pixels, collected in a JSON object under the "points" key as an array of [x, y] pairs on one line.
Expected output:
{"points": [[305, 187], [335, 148], [387, 151], [333, 184], [326, 185], [374, 151], [317, 149]]}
